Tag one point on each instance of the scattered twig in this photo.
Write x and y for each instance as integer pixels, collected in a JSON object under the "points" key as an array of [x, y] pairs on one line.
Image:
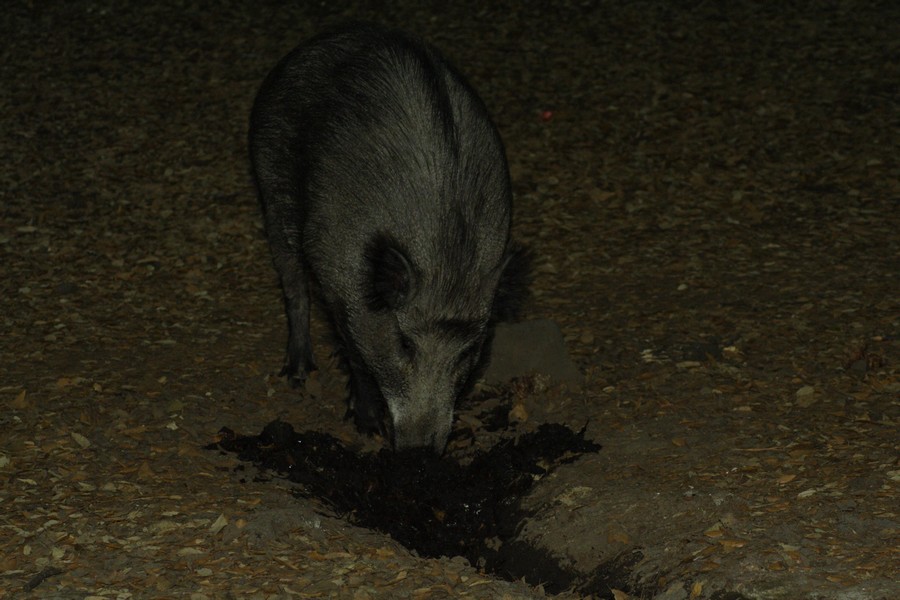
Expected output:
{"points": [[41, 577]]}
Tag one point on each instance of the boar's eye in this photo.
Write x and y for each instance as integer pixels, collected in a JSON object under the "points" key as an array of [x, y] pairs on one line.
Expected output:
{"points": [[468, 355], [407, 346]]}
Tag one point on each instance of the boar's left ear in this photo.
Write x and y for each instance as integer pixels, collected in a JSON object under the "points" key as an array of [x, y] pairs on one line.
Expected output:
{"points": [[512, 290], [390, 274]]}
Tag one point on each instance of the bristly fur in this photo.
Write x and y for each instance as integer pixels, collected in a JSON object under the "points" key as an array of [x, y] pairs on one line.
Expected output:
{"points": [[384, 182], [512, 291]]}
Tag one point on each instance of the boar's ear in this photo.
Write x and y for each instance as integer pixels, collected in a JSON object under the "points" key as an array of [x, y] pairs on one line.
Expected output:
{"points": [[389, 274], [512, 290]]}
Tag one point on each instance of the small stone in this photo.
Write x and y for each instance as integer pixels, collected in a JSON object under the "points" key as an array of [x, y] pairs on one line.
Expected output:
{"points": [[81, 440]]}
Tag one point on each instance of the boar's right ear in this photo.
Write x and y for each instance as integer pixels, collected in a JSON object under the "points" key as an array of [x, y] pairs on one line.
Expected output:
{"points": [[512, 290], [389, 274]]}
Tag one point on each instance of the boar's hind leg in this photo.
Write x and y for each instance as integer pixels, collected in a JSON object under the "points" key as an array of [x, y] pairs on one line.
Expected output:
{"points": [[277, 184], [298, 359]]}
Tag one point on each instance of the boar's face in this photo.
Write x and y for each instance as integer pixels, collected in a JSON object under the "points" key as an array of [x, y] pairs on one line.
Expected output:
{"points": [[433, 363], [421, 340]]}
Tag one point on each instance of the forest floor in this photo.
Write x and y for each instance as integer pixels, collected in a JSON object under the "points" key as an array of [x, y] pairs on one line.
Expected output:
{"points": [[712, 193]]}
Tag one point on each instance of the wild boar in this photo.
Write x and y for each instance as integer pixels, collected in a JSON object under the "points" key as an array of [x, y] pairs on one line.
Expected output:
{"points": [[385, 190]]}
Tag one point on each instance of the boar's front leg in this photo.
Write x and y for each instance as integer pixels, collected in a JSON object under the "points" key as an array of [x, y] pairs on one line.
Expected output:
{"points": [[365, 405]]}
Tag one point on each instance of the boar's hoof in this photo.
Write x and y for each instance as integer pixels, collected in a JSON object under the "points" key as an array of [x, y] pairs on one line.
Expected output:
{"points": [[296, 377]]}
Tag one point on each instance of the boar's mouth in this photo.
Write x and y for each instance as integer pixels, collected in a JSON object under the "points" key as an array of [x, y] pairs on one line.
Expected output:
{"points": [[429, 428]]}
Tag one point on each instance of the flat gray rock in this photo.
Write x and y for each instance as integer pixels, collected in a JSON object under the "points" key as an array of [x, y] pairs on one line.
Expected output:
{"points": [[531, 347]]}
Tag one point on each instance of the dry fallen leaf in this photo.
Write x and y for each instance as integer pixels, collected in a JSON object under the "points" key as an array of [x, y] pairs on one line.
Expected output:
{"points": [[518, 413], [806, 396], [620, 537], [145, 472], [19, 402], [714, 531], [219, 524], [696, 589]]}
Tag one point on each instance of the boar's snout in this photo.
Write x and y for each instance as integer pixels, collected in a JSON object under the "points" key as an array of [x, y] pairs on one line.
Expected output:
{"points": [[423, 431]]}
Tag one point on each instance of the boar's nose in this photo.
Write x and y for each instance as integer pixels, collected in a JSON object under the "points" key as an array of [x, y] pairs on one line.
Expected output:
{"points": [[421, 434]]}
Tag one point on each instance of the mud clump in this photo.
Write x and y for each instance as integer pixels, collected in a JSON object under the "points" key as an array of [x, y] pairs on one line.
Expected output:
{"points": [[433, 505]]}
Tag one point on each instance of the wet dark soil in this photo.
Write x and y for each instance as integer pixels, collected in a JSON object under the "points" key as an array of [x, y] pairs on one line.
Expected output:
{"points": [[431, 504]]}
